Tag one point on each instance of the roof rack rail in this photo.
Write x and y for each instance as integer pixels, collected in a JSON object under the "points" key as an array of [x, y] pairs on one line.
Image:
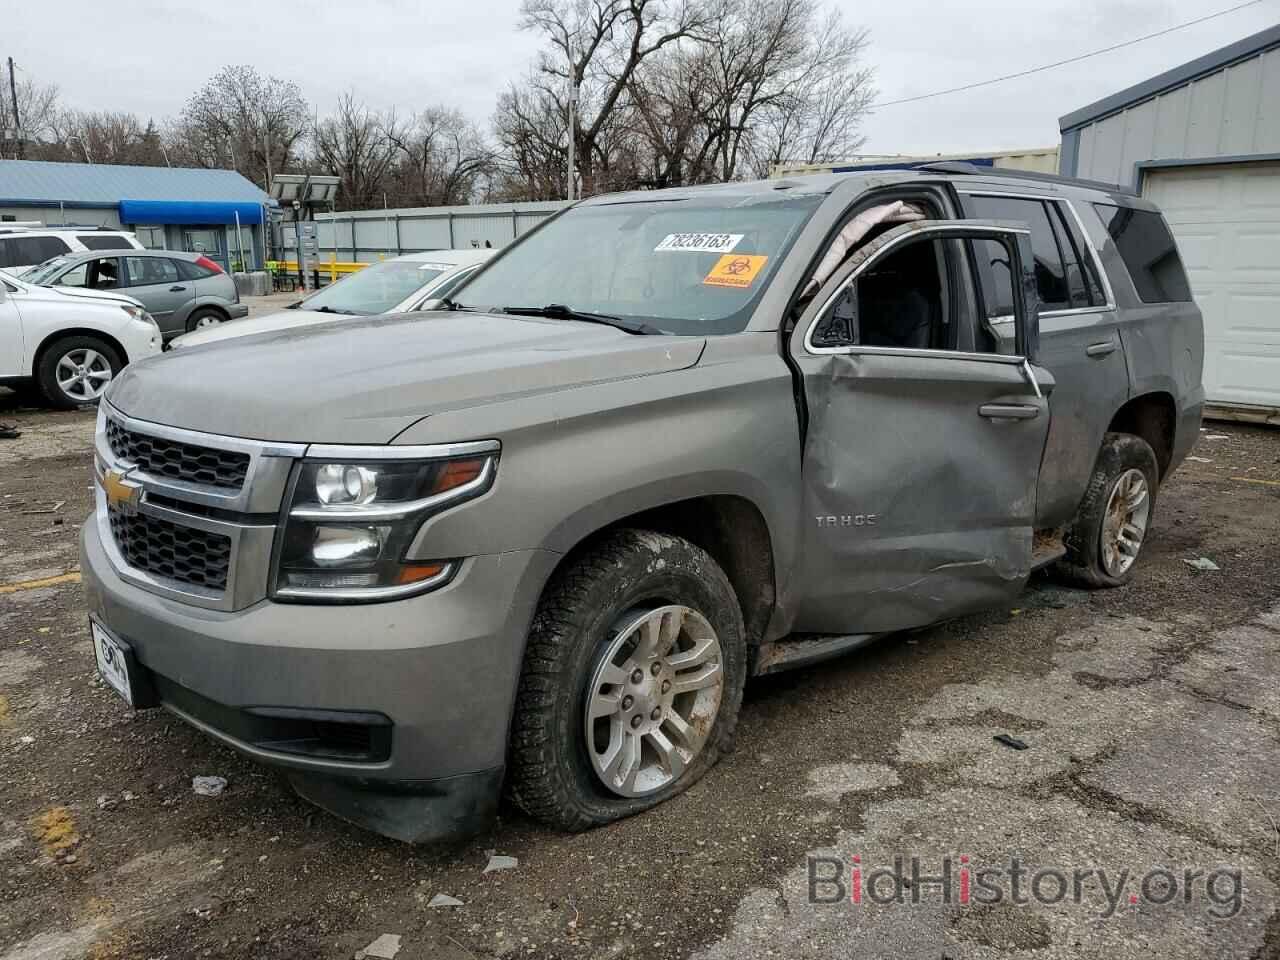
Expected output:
{"points": [[972, 169]]}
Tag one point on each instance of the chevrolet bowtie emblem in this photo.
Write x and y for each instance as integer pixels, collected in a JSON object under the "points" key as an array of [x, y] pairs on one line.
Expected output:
{"points": [[122, 493]]}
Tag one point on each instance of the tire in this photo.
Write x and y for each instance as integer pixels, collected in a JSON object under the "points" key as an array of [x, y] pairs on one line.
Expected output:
{"points": [[628, 576], [205, 317], [1092, 539], [98, 360]]}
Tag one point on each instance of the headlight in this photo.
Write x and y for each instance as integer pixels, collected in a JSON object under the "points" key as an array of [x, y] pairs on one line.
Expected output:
{"points": [[139, 314], [350, 520]]}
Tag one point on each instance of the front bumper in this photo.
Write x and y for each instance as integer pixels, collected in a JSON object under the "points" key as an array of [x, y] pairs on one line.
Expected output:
{"points": [[442, 668]]}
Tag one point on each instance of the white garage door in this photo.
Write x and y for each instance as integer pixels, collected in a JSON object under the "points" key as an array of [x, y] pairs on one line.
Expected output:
{"points": [[1226, 219]]}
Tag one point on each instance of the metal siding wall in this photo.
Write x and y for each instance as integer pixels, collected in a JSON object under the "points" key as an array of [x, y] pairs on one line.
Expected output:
{"points": [[52, 216], [1266, 138], [416, 234], [1231, 112]]}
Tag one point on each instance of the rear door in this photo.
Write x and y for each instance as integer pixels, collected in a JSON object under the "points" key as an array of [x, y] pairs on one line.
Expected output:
{"points": [[1079, 338], [920, 459], [156, 282]]}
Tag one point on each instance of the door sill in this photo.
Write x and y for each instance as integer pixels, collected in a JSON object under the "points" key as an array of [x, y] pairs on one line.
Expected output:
{"points": [[1046, 547], [803, 649]]}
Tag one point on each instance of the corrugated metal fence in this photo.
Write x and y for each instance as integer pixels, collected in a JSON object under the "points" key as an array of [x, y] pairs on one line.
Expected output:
{"points": [[369, 235]]}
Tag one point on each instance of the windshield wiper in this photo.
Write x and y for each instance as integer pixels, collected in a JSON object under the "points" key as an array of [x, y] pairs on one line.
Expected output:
{"points": [[453, 305], [328, 309], [559, 311]]}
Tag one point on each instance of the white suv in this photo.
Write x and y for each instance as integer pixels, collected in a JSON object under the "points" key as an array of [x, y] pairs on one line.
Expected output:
{"points": [[69, 342], [24, 247]]}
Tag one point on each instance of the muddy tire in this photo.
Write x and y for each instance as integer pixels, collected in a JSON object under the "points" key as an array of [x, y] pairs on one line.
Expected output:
{"points": [[1114, 521], [596, 677]]}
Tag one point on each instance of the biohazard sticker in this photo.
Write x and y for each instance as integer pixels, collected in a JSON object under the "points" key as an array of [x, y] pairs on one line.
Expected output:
{"points": [[699, 242], [735, 270]]}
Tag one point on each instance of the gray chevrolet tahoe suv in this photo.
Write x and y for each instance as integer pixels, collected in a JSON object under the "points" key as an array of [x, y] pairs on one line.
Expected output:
{"points": [[667, 441]]}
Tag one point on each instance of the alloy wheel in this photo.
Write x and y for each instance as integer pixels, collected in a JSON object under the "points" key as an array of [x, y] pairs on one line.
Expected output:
{"points": [[1124, 523], [83, 374], [653, 699]]}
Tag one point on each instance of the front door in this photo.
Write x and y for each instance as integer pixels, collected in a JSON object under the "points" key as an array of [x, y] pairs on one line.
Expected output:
{"points": [[923, 440], [12, 362]]}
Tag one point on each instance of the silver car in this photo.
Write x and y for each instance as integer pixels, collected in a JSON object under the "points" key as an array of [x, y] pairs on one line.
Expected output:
{"points": [[183, 291]]}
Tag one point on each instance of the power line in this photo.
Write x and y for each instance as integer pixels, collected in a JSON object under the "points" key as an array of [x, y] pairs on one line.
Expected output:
{"points": [[1062, 63]]}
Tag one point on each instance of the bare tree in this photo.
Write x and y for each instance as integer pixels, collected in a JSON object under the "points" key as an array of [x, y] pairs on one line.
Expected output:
{"points": [[597, 46], [358, 145], [441, 158], [37, 108], [243, 120]]}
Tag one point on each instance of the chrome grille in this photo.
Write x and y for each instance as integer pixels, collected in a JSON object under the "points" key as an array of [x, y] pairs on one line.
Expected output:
{"points": [[161, 457], [170, 550]]}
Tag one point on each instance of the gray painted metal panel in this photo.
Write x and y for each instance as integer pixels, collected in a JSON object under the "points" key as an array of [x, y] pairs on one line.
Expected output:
{"points": [[1228, 112], [1178, 76]]}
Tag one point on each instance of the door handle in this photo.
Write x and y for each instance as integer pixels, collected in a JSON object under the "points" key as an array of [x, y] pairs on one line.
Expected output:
{"points": [[1009, 411], [180, 289], [1101, 349]]}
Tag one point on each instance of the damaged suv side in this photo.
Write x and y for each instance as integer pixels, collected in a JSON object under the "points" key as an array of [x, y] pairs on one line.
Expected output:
{"points": [[665, 442]]}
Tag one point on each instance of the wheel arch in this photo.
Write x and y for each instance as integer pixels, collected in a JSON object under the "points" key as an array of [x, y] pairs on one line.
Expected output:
{"points": [[729, 527], [38, 354], [1153, 417]]}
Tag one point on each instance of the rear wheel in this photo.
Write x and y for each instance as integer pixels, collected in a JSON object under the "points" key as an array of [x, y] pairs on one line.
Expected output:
{"points": [[75, 371], [1111, 527], [200, 319], [632, 682]]}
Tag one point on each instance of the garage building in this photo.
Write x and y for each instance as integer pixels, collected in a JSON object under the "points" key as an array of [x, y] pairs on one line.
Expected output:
{"points": [[1203, 141], [168, 208]]}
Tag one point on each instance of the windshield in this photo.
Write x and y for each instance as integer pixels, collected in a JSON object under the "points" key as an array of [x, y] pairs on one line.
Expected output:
{"points": [[692, 267], [376, 289], [41, 272]]}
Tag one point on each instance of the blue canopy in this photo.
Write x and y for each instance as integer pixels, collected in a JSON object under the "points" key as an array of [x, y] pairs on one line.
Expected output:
{"points": [[189, 211]]}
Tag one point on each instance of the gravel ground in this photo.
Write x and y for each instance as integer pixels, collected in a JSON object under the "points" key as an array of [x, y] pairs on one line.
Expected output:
{"points": [[1151, 717]]}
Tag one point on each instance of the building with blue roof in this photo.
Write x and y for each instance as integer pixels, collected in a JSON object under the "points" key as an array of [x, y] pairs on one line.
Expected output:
{"points": [[171, 208]]}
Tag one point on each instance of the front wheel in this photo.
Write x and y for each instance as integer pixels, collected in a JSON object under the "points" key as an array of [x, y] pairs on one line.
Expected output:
{"points": [[76, 370], [1111, 527], [632, 682]]}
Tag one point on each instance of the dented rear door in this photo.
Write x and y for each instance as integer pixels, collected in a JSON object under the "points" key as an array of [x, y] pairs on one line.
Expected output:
{"points": [[920, 471]]}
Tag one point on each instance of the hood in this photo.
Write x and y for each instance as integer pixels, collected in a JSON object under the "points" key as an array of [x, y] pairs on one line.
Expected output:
{"points": [[36, 292], [368, 379], [280, 320]]}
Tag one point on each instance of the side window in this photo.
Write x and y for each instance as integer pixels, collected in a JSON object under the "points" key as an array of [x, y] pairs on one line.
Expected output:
{"points": [[905, 300], [187, 270], [103, 241], [447, 288], [32, 250], [6, 254], [1051, 272], [1146, 246], [77, 276], [143, 271], [104, 274], [1082, 268]]}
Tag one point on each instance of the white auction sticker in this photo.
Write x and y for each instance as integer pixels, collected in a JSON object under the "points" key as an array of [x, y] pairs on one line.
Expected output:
{"points": [[699, 242]]}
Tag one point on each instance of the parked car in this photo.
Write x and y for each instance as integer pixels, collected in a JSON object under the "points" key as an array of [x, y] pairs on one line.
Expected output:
{"points": [[391, 286], [69, 344], [23, 247], [665, 441], [183, 291]]}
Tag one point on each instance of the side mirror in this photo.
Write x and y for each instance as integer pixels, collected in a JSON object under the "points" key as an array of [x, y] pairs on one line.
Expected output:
{"points": [[838, 326], [431, 303]]}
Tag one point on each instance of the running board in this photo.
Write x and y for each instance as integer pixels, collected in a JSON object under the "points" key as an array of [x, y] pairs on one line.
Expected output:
{"points": [[1046, 547], [803, 649]]}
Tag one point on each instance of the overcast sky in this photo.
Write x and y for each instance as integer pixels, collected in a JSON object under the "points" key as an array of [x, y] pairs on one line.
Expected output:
{"points": [[148, 56]]}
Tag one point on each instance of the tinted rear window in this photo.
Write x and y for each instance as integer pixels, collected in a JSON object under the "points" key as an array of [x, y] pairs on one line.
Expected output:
{"points": [[192, 271], [103, 241], [27, 251], [1148, 250]]}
